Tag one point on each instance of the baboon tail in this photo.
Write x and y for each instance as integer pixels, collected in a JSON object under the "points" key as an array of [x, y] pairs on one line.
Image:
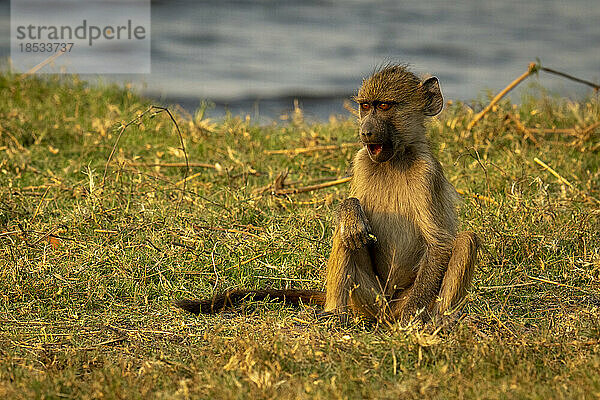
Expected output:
{"points": [[233, 297]]}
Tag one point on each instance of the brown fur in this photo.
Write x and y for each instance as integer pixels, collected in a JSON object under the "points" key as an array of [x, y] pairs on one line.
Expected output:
{"points": [[396, 253], [417, 265], [232, 297]]}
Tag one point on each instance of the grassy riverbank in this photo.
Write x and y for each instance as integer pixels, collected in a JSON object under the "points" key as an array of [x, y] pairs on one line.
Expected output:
{"points": [[90, 262]]}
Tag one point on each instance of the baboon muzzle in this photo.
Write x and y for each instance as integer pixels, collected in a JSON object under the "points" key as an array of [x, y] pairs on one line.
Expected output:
{"points": [[373, 130], [373, 134]]}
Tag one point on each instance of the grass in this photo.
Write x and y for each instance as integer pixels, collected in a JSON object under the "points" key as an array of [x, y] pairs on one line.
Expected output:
{"points": [[88, 268]]}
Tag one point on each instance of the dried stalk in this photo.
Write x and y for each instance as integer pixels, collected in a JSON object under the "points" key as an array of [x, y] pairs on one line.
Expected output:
{"points": [[279, 183], [302, 150], [557, 284], [477, 196], [569, 131], [188, 178], [533, 67], [571, 77], [553, 172], [520, 127], [216, 228], [173, 165], [590, 129], [312, 187], [43, 64]]}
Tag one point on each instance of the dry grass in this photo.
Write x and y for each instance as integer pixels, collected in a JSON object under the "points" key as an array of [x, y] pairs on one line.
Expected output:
{"points": [[88, 270]]}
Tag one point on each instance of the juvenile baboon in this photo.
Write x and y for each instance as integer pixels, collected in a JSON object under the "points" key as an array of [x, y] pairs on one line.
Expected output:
{"points": [[396, 252]]}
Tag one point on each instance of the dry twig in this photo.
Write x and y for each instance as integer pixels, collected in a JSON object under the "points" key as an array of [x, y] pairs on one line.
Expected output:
{"points": [[569, 131], [553, 172], [310, 188], [43, 64], [173, 165], [216, 228], [557, 284], [590, 129], [571, 77], [521, 128], [478, 196], [302, 150], [533, 67]]}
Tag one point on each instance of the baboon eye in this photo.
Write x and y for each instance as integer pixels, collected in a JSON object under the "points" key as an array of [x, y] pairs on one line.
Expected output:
{"points": [[365, 106], [384, 106]]}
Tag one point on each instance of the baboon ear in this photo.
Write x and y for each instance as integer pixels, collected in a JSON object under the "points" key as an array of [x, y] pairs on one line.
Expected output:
{"points": [[434, 102]]}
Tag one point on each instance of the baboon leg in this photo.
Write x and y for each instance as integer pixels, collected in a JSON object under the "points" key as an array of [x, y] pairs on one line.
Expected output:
{"points": [[459, 273], [351, 281]]}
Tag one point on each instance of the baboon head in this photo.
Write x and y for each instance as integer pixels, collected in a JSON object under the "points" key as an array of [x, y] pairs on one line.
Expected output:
{"points": [[393, 103]]}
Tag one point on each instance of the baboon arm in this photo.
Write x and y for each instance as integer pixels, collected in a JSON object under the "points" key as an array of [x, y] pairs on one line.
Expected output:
{"points": [[353, 228]]}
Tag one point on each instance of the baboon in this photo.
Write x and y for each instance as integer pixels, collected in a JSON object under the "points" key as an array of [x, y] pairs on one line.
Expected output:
{"points": [[396, 253]]}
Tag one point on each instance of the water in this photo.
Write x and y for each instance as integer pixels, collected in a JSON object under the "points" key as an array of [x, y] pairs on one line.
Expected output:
{"points": [[257, 56]]}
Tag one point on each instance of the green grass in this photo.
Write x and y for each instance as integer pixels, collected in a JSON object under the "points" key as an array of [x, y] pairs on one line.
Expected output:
{"points": [[88, 269]]}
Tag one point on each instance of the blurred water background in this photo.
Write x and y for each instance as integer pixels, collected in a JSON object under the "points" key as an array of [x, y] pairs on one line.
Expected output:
{"points": [[256, 56]]}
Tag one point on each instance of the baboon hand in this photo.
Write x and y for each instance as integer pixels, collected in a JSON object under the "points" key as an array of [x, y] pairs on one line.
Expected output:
{"points": [[355, 230]]}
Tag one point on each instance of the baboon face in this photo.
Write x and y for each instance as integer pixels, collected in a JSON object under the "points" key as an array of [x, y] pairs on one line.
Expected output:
{"points": [[393, 104]]}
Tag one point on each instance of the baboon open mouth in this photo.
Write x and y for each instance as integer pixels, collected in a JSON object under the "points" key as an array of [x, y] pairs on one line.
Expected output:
{"points": [[380, 152], [375, 148]]}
